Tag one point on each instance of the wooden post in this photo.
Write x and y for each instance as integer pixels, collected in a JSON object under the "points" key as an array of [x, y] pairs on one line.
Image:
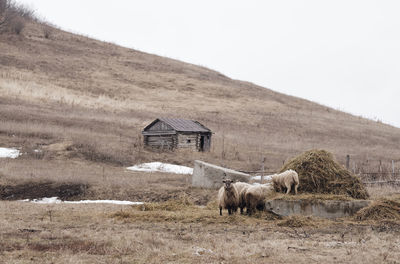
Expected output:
{"points": [[223, 146], [262, 169], [380, 166], [347, 161], [393, 170], [393, 166]]}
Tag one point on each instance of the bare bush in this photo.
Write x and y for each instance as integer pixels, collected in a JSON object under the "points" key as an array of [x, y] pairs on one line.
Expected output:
{"points": [[17, 25], [13, 16], [47, 31]]}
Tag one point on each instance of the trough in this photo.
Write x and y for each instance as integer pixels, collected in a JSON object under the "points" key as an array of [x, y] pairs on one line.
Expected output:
{"points": [[207, 175], [320, 208]]}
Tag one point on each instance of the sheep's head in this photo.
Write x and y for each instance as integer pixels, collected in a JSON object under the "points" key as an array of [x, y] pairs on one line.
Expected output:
{"points": [[228, 183]]}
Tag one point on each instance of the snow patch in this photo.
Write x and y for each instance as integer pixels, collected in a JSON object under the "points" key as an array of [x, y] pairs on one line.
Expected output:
{"points": [[258, 177], [198, 251], [55, 200], [161, 167], [104, 202], [9, 153], [258, 184]]}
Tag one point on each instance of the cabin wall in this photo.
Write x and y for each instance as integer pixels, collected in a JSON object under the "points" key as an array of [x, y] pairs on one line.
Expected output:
{"points": [[188, 141], [160, 141]]}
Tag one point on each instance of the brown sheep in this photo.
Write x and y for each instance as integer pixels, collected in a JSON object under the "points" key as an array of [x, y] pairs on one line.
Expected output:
{"points": [[228, 197], [285, 180], [242, 188], [255, 197]]}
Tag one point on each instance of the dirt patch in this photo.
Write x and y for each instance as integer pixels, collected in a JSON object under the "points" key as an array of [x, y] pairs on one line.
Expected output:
{"points": [[35, 190], [380, 210], [320, 173]]}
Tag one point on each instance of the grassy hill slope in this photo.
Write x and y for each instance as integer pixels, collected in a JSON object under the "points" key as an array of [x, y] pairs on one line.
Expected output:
{"points": [[93, 98]]}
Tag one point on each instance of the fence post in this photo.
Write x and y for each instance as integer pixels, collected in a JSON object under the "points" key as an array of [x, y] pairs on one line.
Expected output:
{"points": [[262, 169], [393, 166], [393, 177], [347, 161]]}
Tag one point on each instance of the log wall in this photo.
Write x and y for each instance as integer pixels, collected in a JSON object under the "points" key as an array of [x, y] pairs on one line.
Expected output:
{"points": [[190, 141], [161, 141]]}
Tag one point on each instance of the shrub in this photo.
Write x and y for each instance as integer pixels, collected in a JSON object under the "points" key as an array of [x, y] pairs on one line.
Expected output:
{"points": [[17, 25], [47, 31], [13, 16]]}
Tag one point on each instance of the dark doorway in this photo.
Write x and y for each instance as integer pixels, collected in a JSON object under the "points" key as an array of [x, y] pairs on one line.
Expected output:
{"points": [[202, 143]]}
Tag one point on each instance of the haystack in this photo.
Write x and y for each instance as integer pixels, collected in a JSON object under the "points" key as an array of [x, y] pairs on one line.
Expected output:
{"points": [[320, 173], [380, 210]]}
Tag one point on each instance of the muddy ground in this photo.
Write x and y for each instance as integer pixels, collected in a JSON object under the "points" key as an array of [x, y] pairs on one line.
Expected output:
{"points": [[35, 190], [75, 191]]}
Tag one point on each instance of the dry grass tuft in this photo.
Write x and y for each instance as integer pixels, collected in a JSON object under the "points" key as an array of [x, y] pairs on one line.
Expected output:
{"points": [[320, 173], [212, 205], [384, 209], [181, 203]]}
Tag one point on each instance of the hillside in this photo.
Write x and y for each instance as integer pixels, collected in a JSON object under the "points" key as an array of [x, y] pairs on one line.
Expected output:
{"points": [[78, 98]]}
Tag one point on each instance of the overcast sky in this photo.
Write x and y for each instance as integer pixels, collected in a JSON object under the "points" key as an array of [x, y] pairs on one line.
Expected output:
{"points": [[343, 54]]}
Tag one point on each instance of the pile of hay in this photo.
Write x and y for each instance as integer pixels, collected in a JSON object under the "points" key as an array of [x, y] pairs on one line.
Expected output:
{"points": [[297, 221], [320, 173], [380, 210]]}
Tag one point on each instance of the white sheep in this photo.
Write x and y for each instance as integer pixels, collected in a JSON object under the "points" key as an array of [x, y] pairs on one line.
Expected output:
{"points": [[228, 197], [285, 180], [255, 197], [242, 188]]}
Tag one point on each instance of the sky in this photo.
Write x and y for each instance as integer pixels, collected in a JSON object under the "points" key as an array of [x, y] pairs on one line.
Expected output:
{"points": [[344, 54]]}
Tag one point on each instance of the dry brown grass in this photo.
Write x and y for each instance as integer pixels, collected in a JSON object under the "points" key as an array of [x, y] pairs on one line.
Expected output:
{"points": [[119, 234], [383, 191]]}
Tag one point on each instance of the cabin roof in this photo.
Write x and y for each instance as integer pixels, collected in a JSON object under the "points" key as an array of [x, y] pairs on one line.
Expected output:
{"points": [[181, 125]]}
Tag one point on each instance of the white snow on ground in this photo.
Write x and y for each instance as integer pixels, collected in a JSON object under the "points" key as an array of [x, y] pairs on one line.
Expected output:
{"points": [[161, 167], [55, 200], [199, 251], [258, 177], [104, 201], [9, 153], [265, 184]]}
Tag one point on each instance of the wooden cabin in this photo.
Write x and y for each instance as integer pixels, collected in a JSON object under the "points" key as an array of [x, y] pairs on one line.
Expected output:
{"points": [[176, 133]]}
